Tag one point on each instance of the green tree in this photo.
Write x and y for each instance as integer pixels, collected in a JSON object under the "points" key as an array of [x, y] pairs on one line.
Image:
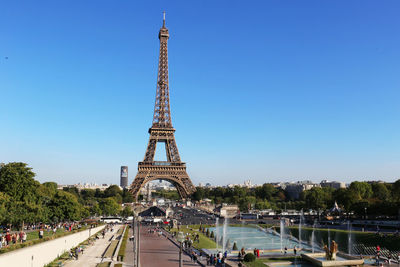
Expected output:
{"points": [[109, 206], [73, 190], [317, 197], [112, 191], [361, 190], [127, 196], [17, 180], [266, 191], [199, 194], [344, 198], [380, 191], [95, 209], [4, 203], [88, 194], [65, 206], [126, 212], [396, 191]]}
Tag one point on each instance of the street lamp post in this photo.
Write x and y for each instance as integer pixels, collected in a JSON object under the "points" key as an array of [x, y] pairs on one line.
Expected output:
{"points": [[139, 219], [180, 238], [134, 240]]}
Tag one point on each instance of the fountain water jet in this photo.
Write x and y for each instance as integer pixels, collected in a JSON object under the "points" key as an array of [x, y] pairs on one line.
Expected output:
{"points": [[282, 233], [329, 238], [301, 221], [241, 234], [216, 232], [313, 237], [224, 235], [349, 241]]}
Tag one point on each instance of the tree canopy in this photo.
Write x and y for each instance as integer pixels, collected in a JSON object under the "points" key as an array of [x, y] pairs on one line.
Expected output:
{"points": [[25, 200]]}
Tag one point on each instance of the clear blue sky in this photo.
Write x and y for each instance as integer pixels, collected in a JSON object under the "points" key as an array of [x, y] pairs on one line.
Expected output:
{"points": [[266, 90]]}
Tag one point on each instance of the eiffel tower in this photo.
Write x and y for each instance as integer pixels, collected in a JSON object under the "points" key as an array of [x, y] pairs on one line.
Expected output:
{"points": [[172, 170]]}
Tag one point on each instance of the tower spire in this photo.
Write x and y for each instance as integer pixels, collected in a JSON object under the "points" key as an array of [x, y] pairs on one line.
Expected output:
{"points": [[163, 25], [162, 113]]}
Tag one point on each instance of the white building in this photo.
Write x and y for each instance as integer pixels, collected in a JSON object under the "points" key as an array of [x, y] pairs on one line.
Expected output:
{"points": [[333, 184]]}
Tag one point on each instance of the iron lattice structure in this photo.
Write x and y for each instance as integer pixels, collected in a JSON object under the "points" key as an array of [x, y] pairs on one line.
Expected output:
{"points": [[161, 131]]}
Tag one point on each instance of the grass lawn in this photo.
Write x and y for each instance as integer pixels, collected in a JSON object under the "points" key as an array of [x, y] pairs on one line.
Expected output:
{"points": [[32, 238], [111, 248], [279, 259], [205, 242], [260, 262], [35, 234], [104, 264], [256, 263]]}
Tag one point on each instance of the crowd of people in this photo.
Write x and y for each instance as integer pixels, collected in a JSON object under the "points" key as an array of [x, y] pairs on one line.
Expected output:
{"points": [[217, 259], [8, 238], [380, 260]]}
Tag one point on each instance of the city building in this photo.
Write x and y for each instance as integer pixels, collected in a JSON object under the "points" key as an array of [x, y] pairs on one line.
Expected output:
{"points": [[227, 211], [333, 184], [124, 177], [80, 186], [294, 190]]}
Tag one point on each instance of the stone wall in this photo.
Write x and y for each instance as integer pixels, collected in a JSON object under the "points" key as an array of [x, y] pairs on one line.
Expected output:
{"points": [[41, 254]]}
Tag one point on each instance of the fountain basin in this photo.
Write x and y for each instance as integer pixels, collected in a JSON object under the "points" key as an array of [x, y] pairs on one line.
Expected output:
{"points": [[254, 237], [319, 260]]}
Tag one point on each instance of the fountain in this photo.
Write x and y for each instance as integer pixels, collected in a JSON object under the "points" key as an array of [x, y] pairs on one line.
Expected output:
{"points": [[282, 230], [349, 241], [329, 238], [241, 232], [216, 232], [224, 235], [300, 221], [329, 257], [313, 237]]}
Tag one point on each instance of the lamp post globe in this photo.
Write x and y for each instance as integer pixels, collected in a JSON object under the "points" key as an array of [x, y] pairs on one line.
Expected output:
{"points": [[180, 238]]}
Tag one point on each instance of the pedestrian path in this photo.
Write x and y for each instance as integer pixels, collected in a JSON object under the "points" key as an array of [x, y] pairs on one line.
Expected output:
{"points": [[128, 259], [158, 251], [92, 254]]}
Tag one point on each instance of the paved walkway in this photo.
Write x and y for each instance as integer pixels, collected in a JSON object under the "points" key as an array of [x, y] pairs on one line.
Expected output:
{"points": [[128, 259], [158, 251], [92, 253]]}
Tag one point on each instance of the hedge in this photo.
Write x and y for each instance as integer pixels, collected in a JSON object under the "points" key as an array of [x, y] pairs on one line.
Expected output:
{"points": [[121, 252]]}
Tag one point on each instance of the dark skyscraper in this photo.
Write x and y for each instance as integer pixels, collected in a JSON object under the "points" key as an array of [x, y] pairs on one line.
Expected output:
{"points": [[124, 176]]}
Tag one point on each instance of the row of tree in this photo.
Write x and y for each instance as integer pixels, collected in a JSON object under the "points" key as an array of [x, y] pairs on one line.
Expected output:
{"points": [[362, 198], [25, 200]]}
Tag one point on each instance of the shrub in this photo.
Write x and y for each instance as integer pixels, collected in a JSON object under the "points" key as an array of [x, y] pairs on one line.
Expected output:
{"points": [[249, 257], [212, 234], [235, 246]]}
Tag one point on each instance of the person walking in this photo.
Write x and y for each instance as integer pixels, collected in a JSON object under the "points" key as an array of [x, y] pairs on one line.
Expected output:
{"points": [[14, 238], [194, 257], [8, 238], [24, 237], [41, 233], [77, 253]]}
